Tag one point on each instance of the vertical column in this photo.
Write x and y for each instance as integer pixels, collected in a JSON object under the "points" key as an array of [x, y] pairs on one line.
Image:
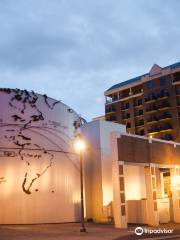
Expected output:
{"points": [[175, 189], [151, 195], [119, 202]]}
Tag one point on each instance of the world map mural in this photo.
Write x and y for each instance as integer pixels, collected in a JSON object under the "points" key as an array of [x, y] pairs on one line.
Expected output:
{"points": [[38, 165]]}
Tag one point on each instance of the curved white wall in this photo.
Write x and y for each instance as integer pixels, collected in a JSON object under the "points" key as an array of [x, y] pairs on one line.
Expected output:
{"points": [[39, 172]]}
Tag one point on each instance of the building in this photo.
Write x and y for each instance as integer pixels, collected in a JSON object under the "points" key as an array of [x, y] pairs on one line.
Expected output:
{"points": [[149, 105], [130, 178], [127, 178], [39, 171]]}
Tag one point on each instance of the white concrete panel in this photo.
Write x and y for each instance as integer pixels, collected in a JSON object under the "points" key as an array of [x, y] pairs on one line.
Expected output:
{"points": [[98, 166], [134, 182], [106, 152], [137, 211]]}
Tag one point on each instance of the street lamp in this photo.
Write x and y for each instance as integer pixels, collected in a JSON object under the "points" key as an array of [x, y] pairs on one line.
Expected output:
{"points": [[80, 147]]}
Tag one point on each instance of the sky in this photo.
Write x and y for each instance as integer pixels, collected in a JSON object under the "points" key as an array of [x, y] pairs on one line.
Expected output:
{"points": [[74, 50]]}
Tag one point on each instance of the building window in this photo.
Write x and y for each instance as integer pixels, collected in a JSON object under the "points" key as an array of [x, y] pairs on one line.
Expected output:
{"points": [[140, 102], [140, 112], [125, 106], [150, 85], [162, 81], [128, 125], [142, 132]]}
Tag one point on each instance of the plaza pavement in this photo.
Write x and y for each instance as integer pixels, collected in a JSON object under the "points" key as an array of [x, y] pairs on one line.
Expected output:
{"points": [[70, 231]]}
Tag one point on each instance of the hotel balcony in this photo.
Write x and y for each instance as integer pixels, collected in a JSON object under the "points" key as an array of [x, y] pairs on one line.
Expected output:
{"points": [[125, 95], [128, 125], [178, 103], [125, 108], [130, 94], [151, 109], [111, 118], [152, 119], [139, 123], [177, 92], [109, 100], [153, 130], [163, 95], [166, 128], [167, 137], [176, 79], [138, 103], [150, 99], [139, 114], [126, 116], [163, 106], [110, 110], [165, 116]]}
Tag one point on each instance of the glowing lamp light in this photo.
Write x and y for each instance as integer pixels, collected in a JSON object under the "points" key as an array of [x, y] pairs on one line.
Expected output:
{"points": [[79, 145]]}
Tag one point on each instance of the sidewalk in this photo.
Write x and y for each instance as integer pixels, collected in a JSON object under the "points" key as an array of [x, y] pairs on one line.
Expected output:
{"points": [[70, 231]]}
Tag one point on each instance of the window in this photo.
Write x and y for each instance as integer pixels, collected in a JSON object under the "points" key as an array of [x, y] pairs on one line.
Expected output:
{"points": [[141, 112], [140, 102], [142, 132], [162, 81], [150, 84], [128, 125], [127, 105]]}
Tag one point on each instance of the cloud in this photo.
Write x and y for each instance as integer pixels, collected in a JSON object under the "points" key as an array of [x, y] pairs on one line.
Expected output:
{"points": [[75, 50]]}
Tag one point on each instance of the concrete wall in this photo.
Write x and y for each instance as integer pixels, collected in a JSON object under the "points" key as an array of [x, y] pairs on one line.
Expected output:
{"points": [[134, 182], [98, 167], [142, 150]]}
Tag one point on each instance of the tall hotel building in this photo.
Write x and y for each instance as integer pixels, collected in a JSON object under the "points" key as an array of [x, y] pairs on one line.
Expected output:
{"points": [[149, 104]]}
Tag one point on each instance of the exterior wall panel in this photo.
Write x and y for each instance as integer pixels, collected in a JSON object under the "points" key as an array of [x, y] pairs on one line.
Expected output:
{"points": [[39, 171], [140, 150]]}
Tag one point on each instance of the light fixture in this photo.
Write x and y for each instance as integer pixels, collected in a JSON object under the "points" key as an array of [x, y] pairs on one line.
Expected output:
{"points": [[79, 145]]}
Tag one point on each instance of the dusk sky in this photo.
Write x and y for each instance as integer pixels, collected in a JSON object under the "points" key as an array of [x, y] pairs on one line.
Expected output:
{"points": [[73, 50]]}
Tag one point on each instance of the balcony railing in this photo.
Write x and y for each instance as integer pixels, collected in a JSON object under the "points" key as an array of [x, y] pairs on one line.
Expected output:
{"points": [[166, 127], [165, 116], [128, 125], [112, 119], [138, 105], [153, 130], [151, 108], [110, 110], [109, 100], [127, 116], [125, 108], [178, 92], [152, 119], [163, 106], [167, 137], [163, 94], [150, 98], [137, 91], [160, 128], [140, 123], [138, 114], [124, 95]]}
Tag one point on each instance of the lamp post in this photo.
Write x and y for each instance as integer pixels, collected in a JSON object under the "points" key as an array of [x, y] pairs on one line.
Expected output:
{"points": [[80, 146]]}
